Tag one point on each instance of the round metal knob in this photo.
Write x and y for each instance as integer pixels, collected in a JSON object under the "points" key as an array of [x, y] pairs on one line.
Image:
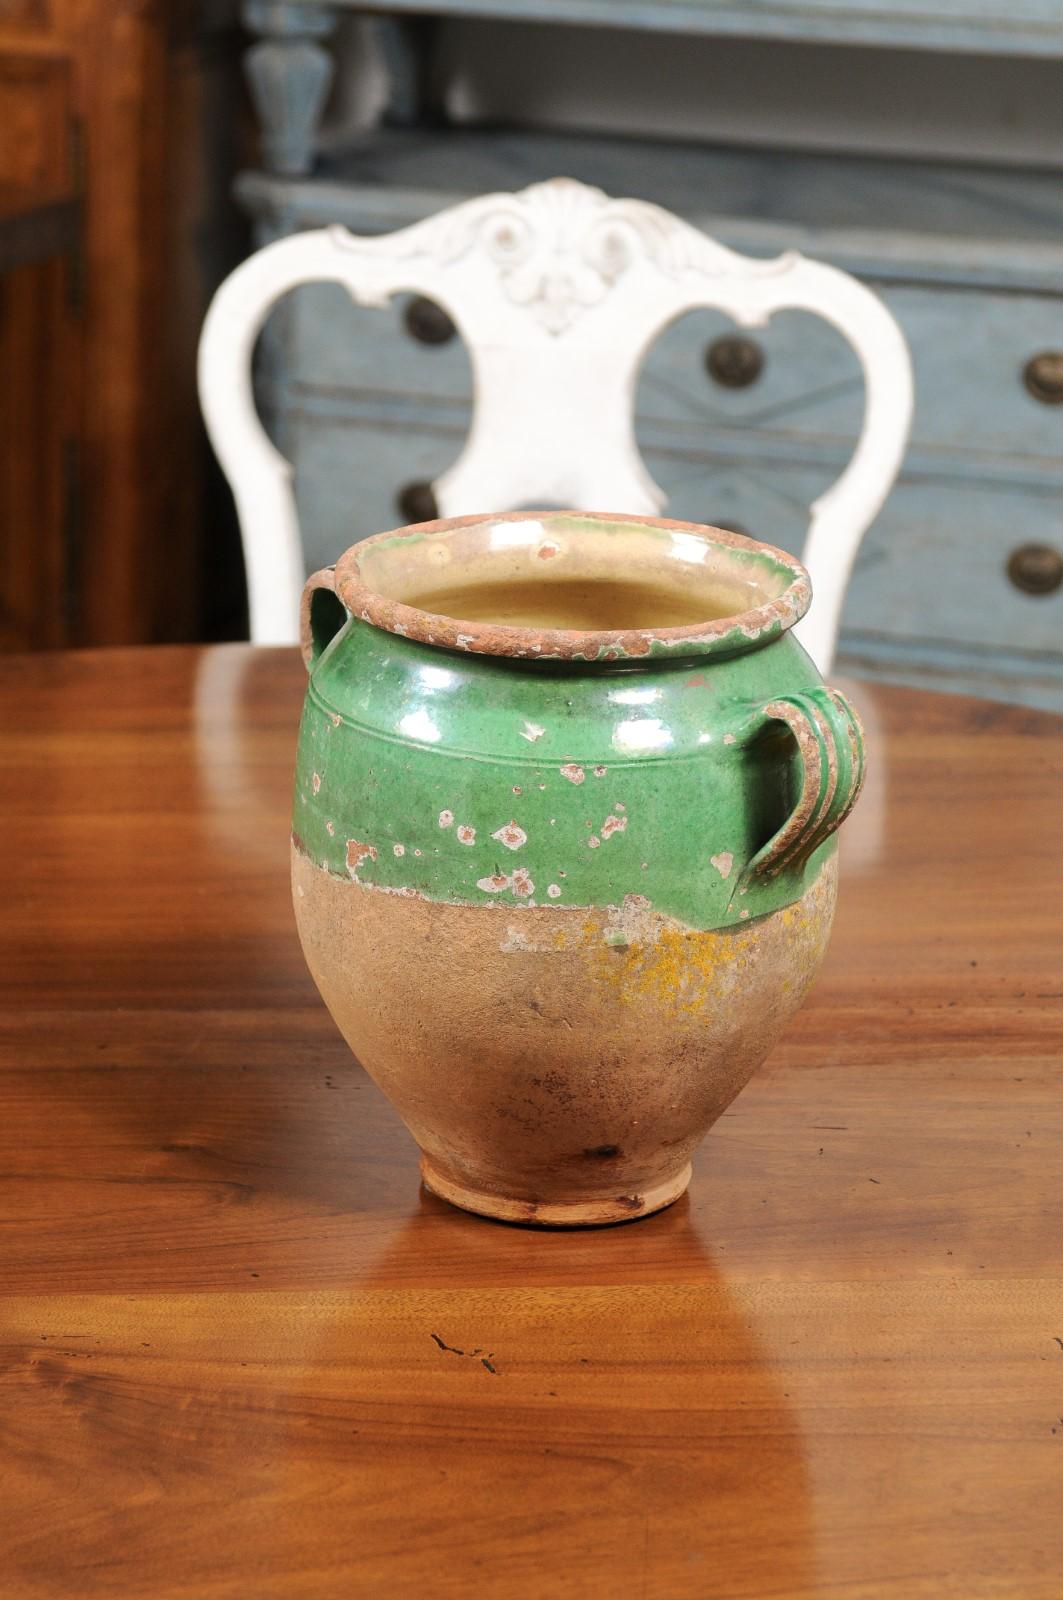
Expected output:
{"points": [[417, 503], [426, 322], [1036, 568], [1043, 377], [734, 362]]}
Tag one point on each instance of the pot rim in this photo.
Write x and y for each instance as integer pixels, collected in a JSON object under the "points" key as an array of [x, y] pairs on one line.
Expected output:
{"points": [[722, 636]]}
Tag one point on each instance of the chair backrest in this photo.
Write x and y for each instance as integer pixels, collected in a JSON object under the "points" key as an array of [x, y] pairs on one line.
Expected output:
{"points": [[558, 292]]}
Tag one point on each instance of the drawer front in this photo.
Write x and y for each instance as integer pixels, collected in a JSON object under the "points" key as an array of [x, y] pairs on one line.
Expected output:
{"points": [[979, 359], [934, 567], [988, 371], [932, 570], [349, 476], [332, 346], [971, 353], [1038, 685]]}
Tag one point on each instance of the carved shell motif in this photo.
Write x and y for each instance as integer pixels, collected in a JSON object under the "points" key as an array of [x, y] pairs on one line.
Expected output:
{"points": [[560, 246]]}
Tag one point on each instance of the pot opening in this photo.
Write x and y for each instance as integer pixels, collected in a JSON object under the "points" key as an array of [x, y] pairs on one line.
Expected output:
{"points": [[571, 584], [581, 604]]}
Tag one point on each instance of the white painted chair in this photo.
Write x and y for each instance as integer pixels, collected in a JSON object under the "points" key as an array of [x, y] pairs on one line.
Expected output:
{"points": [[558, 292]]}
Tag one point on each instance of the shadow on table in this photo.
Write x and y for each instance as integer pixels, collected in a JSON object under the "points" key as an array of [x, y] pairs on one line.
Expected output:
{"points": [[596, 1402]]}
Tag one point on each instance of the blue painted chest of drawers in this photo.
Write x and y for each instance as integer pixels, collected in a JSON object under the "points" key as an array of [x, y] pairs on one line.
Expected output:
{"points": [[959, 583]]}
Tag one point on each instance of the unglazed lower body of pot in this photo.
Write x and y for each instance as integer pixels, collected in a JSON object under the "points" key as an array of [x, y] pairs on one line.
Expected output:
{"points": [[556, 1066]]}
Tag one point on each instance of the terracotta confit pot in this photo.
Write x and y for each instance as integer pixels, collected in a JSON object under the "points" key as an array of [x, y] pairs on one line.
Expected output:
{"points": [[563, 850]]}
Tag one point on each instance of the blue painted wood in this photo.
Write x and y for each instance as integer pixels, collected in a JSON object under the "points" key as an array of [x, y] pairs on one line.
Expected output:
{"points": [[736, 446], [969, 351], [1028, 27], [1015, 679], [347, 350], [406, 45], [288, 73], [930, 574], [896, 220], [348, 477], [971, 262], [931, 570]]}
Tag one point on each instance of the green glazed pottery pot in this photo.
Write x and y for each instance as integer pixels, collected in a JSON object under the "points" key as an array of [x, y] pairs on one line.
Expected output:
{"points": [[563, 850]]}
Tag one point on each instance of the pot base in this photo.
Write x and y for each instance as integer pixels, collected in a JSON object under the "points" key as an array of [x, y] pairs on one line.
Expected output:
{"points": [[555, 1214]]}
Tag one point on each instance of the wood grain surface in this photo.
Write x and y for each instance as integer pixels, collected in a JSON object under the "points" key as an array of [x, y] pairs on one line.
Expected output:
{"points": [[243, 1355], [135, 108]]}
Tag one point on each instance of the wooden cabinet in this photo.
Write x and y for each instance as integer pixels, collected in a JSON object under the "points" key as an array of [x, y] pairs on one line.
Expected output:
{"points": [[128, 112], [40, 241]]}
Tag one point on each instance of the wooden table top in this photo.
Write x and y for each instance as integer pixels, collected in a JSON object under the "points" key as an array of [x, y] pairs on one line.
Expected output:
{"points": [[239, 1343]]}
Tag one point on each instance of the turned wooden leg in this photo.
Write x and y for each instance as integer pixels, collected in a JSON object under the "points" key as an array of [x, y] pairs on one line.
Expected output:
{"points": [[289, 72]]}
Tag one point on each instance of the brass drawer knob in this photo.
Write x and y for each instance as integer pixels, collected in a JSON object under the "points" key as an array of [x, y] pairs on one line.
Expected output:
{"points": [[1043, 377], [426, 322], [1036, 568], [417, 503], [734, 362]]}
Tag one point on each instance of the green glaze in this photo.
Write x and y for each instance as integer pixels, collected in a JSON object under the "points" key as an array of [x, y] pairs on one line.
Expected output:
{"points": [[404, 746]]}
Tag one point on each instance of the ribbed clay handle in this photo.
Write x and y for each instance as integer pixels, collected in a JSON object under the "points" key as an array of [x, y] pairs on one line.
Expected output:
{"points": [[319, 622], [830, 746]]}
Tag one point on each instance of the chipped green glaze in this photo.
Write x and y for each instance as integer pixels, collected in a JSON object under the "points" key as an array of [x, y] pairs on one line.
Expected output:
{"points": [[707, 786], [753, 572]]}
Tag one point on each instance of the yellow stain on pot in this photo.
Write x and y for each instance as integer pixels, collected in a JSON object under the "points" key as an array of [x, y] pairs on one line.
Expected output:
{"points": [[641, 955]]}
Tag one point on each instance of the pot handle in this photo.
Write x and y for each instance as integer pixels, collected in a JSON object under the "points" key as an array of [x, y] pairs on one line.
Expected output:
{"points": [[321, 614], [830, 744]]}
